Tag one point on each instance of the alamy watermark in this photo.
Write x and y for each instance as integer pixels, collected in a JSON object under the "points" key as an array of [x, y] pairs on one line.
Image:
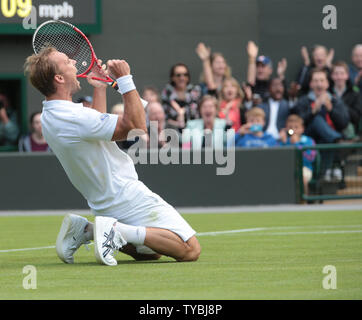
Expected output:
{"points": [[330, 280], [30, 280], [329, 21], [191, 147]]}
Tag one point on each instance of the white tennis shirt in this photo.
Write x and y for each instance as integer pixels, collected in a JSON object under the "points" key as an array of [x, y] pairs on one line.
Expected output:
{"points": [[81, 137]]}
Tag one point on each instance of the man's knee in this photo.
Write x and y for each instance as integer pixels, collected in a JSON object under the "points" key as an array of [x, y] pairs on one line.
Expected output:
{"points": [[192, 253]]}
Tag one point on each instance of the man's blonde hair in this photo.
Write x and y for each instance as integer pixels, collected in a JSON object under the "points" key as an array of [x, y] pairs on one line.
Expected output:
{"points": [[41, 71]]}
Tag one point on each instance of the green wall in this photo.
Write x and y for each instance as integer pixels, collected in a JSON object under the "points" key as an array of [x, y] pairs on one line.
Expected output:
{"points": [[265, 176]]}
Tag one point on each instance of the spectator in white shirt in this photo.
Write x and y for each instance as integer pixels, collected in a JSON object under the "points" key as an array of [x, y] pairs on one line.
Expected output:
{"points": [[276, 109]]}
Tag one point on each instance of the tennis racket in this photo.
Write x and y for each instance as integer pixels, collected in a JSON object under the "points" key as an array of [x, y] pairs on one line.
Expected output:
{"points": [[69, 40]]}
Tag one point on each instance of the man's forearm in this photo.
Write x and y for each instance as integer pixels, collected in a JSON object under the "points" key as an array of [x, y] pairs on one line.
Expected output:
{"points": [[134, 112], [100, 99], [251, 76]]}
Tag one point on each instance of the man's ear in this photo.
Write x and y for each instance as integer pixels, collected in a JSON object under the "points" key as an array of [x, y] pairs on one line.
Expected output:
{"points": [[59, 78]]}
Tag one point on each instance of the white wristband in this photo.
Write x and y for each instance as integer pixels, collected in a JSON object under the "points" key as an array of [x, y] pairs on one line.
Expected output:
{"points": [[125, 84]]}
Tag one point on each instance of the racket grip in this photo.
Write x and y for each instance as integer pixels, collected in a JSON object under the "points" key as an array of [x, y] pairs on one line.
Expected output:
{"points": [[114, 85]]}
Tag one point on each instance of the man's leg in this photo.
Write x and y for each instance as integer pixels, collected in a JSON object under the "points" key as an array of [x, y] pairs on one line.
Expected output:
{"points": [[170, 244], [321, 131], [162, 241]]}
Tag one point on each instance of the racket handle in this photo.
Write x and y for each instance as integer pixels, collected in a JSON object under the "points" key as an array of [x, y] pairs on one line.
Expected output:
{"points": [[114, 85]]}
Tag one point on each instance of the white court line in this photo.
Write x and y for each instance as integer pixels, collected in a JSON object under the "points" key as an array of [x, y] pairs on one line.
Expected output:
{"points": [[27, 249], [215, 233]]}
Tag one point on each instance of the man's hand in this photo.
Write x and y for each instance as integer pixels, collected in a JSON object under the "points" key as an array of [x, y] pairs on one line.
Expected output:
{"points": [[118, 68], [203, 52], [305, 56], [323, 100], [98, 71], [247, 91], [282, 67], [330, 58], [252, 50]]}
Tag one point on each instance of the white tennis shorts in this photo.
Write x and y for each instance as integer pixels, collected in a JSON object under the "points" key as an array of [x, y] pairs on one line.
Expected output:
{"points": [[145, 208]]}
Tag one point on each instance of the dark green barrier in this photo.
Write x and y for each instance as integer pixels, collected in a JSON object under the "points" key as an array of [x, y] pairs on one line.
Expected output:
{"points": [[37, 181]]}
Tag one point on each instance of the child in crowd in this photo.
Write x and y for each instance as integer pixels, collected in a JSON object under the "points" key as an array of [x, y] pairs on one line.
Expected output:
{"points": [[293, 135], [150, 94], [251, 134], [231, 103]]}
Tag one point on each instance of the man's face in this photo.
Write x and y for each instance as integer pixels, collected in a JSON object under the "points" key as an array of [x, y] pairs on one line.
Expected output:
{"points": [[156, 113], [276, 89], [263, 71], [319, 83], [68, 71], [320, 57], [340, 76], [357, 57]]}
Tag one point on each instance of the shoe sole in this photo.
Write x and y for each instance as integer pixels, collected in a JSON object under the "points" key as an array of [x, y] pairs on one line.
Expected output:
{"points": [[61, 235], [98, 254]]}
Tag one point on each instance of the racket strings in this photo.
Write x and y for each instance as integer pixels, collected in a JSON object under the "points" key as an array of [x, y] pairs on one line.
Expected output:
{"points": [[65, 39]]}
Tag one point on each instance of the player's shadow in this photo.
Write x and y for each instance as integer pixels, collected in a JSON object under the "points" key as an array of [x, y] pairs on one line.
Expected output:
{"points": [[120, 262]]}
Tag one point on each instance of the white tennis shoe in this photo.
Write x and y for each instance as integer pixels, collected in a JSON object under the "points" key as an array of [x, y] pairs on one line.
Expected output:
{"points": [[71, 236], [107, 240]]}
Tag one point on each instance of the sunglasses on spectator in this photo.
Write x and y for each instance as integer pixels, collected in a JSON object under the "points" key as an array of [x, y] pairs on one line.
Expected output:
{"points": [[179, 75]]}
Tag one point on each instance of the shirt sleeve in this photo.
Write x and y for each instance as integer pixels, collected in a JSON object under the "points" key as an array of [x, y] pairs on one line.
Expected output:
{"points": [[93, 125]]}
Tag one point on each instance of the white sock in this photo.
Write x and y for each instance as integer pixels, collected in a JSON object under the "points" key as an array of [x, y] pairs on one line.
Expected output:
{"points": [[132, 234]]}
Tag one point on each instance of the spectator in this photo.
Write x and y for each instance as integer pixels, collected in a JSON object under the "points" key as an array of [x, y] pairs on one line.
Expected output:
{"points": [[321, 60], [325, 117], [34, 141], [150, 94], [292, 134], [215, 70], [9, 129], [194, 135], [251, 134], [356, 67], [343, 89], [118, 109], [231, 104], [86, 100], [157, 114], [260, 70], [180, 98], [276, 109]]}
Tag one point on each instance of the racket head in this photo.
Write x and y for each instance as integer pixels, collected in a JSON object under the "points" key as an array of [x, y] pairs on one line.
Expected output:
{"points": [[68, 39]]}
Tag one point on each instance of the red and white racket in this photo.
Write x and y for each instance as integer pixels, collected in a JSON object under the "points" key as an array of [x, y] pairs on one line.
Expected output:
{"points": [[69, 40]]}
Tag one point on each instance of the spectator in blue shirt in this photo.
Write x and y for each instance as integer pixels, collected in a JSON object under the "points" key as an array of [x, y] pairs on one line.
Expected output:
{"points": [[293, 135], [251, 135]]}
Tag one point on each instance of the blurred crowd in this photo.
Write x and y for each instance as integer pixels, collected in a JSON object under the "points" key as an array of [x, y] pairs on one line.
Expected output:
{"points": [[323, 104]]}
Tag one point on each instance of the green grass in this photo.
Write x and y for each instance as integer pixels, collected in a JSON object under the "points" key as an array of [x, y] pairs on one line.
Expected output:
{"points": [[275, 263]]}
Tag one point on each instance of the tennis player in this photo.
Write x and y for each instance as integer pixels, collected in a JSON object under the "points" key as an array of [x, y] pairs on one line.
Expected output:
{"points": [[129, 217]]}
